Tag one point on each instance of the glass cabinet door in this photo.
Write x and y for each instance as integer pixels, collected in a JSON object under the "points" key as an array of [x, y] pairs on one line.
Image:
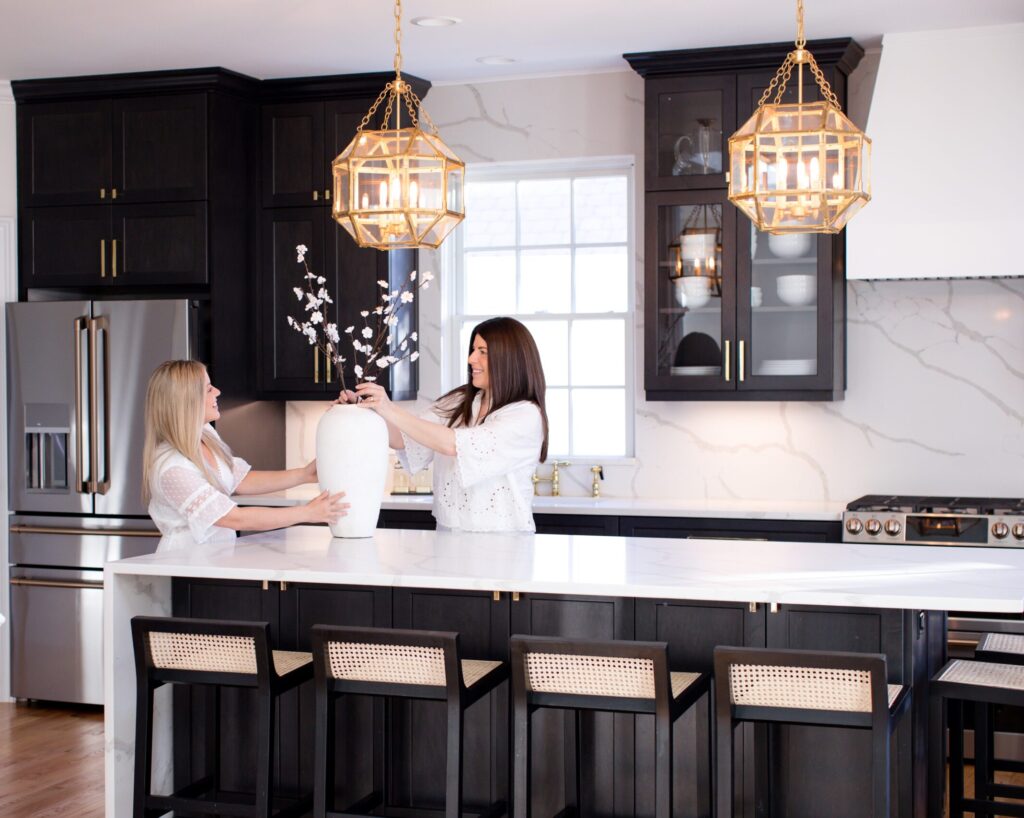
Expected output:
{"points": [[691, 272], [690, 120]]}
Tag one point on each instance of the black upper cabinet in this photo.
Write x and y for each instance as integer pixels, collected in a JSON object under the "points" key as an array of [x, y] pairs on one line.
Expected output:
{"points": [[293, 154], [745, 316], [146, 149]]}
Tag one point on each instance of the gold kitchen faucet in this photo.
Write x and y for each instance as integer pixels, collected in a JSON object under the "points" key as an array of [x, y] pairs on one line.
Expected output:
{"points": [[553, 479]]}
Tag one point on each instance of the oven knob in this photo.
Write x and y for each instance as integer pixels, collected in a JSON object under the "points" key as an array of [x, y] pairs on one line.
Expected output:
{"points": [[855, 526], [1018, 531], [873, 526], [893, 527], [1000, 530]]}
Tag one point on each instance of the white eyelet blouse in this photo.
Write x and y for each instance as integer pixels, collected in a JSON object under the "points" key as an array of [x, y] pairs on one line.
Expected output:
{"points": [[185, 505], [486, 486]]}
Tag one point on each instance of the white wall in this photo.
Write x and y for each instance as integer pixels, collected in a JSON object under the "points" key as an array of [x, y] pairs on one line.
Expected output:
{"points": [[8, 292], [935, 400]]}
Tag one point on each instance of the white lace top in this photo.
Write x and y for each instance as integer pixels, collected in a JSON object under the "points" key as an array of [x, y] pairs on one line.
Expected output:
{"points": [[486, 486], [185, 505]]}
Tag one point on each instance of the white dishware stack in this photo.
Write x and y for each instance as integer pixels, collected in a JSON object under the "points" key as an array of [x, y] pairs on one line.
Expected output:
{"points": [[697, 289], [797, 290], [789, 245], [787, 366], [756, 297], [679, 291]]}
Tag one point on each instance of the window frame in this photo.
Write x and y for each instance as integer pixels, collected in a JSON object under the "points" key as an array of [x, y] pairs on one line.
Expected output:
{"points": [[452, 264]]}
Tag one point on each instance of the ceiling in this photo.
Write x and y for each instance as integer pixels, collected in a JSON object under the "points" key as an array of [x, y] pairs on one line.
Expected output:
{"points": [[290, 38]]}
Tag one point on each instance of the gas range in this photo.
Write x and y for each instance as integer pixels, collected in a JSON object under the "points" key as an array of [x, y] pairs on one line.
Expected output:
{"points": [[907, 520]]}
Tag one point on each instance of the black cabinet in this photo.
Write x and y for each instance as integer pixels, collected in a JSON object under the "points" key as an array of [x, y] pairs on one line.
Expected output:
{"points": [[730, 313], [306, 123], [144, 149], [731, 528]]}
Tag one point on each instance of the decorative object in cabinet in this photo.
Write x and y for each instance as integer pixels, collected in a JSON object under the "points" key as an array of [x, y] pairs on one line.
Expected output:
{"points": [[803, 167], [771, 325], [398, 187]]}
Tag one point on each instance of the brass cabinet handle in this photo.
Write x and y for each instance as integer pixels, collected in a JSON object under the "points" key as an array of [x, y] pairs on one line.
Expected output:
{"points": [[113, 258], [316, 195], [327, 194], [727, 356], [515, 596], [752, 607], [953, 643], [496, 596], [327, 365], [103, 193], [113, 193], [316, 365], [55, 583], [742, 363], [80, 485], [103, 258]]}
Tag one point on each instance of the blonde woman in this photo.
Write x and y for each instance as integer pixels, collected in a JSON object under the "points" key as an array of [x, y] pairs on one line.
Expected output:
{"points": [[189, 473]]}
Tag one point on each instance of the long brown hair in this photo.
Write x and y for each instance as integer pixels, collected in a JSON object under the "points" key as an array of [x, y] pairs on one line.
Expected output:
{"points": [[175, 400], [514, 370]]}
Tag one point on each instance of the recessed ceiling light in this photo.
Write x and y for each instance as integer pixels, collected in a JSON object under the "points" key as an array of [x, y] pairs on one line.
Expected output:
{"points": [[435, 22], [495, 60]]}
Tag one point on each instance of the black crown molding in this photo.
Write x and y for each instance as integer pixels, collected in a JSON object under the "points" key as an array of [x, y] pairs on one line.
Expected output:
{"points": [[134, 84], [842, 52], [191, 80]]}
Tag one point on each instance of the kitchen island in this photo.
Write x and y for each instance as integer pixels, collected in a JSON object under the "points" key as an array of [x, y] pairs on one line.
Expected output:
{"points": [[691, 593]]}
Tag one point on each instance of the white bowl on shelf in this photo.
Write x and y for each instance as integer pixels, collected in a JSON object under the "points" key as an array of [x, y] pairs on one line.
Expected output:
{"points": [[697, 290], [679, 292], [756, 297], [789, 245], [797, 290]]}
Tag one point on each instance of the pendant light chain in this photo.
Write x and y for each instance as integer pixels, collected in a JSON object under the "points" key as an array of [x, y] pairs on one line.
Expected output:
{"points": [[398, 39], [801, 40]]}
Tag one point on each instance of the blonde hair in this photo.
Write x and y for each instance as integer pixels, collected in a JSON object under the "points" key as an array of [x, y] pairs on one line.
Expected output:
{"points": [[175, 400]]}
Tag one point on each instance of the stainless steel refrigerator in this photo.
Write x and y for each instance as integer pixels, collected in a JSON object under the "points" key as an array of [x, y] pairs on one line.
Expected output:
{"points": [[76, 385]]}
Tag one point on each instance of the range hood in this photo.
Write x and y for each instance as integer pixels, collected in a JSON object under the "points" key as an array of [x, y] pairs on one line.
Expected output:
{"points": [[947, 126]]}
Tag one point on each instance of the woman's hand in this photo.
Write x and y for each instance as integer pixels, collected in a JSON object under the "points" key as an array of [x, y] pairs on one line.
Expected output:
{"points": [[346, 396], [325, 508], [373, 396], [309, 472]]}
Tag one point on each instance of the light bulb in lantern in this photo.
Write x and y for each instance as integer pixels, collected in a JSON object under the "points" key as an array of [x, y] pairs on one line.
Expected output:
{"points": [[383, 194], [414, 194]]}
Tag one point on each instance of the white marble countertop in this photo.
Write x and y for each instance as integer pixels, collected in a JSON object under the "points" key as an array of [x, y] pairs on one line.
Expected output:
{"points": [[622, 506], [840, 574]]}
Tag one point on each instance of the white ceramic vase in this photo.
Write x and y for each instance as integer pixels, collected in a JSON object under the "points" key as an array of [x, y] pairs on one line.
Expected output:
{"points": [[352, 456]]}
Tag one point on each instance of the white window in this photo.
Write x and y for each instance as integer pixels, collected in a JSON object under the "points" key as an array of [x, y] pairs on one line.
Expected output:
{"points": [[553, 247]]}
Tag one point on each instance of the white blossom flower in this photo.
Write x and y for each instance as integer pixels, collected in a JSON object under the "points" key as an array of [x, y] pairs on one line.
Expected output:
{"points": [[407, 297], [367, 332], [390, 336], [427, 277], [298, 292], [320, 280], [349, 329], [404, 344], [386, 297], [378, 310], [316, 317], [392, 320], [338, 359], [383, 362], [412, 276], [301, 248], [332, 333], [414, 336], [414, 356], [311, 334], [370, 378], [382, 283], [358, 370], [425, 285], [291, 321], [364, 313]]}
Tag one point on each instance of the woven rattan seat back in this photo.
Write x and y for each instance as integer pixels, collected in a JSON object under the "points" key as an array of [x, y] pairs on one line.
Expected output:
{"points": [[809, 688], [583, 675], [203, 652], [394, 664]]}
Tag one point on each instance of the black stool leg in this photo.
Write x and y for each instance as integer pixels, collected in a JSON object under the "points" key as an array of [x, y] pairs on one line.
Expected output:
{"points": [[984, 743], [323, 753], [573, 774], [143, 747], [880, 772], [723, 762], [956, 758], [453, 775], [521, 758], [264, 753], [663, 764]]}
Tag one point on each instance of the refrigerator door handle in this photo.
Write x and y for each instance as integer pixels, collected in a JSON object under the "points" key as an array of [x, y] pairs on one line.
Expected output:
{"points": [[82, 485], [58, 583], [92, 532], [96, 326]]}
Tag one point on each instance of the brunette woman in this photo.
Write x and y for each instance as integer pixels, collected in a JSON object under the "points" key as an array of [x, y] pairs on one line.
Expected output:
{"points": [[189, 473], [485, 438]]}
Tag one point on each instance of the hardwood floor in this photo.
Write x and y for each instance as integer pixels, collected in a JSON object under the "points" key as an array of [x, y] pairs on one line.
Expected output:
{"points": [[51, 761]]}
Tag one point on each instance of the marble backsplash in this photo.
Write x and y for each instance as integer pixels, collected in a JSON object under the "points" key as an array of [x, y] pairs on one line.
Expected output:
{"points": [[934, 405]]}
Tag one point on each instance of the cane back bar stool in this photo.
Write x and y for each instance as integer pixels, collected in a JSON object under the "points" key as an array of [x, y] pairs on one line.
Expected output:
{"points": [[409, 664], [613, 676], [220, 654], [985, 684], [806, 687]]}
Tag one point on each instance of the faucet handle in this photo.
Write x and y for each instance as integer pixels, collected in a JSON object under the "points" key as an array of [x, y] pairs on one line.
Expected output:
{"points": [[598, 472], [556, 463]]}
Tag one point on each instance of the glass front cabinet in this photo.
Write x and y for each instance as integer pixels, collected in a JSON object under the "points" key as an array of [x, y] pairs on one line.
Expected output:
{"points": [[731, 313]]}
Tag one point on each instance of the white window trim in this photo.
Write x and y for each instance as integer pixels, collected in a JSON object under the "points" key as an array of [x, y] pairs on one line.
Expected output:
{"points": [[453, 362]]}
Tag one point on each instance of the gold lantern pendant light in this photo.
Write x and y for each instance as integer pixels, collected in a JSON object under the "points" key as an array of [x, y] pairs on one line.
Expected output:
{"points": [[398, 186], [803, 167]]}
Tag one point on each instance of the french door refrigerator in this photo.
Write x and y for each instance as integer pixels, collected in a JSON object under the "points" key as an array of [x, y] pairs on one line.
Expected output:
{"points": [[76, 383]]}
